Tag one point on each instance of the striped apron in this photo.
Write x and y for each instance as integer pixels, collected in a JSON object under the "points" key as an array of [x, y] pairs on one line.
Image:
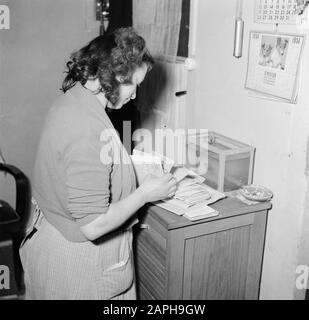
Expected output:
{"points": [[55, 268]]}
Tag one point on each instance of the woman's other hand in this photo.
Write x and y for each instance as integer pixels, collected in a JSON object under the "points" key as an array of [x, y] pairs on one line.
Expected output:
{"points": [[158, 188]]}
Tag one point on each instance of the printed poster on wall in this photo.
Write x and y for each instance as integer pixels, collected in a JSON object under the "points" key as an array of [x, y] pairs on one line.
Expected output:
{"points": [[273, 64]]}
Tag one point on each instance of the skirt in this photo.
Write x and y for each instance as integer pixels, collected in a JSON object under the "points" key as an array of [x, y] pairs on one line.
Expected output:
{"points": [[55, 268]]}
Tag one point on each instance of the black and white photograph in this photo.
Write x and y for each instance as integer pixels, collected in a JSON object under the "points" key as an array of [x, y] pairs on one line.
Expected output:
{"points": [[273, 52], [154, 151]]}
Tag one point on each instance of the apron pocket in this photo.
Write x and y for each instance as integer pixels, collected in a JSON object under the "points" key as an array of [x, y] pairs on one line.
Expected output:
{"points": [[27, 236], [37, 217], [115, 280]]}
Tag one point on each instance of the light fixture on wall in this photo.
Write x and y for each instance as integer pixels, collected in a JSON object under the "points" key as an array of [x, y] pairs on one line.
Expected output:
{"points": [[239, 30], [102, 8]]}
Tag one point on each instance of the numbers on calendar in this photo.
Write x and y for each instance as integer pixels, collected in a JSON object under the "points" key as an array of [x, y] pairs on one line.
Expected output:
{"points": [[276, 11]]}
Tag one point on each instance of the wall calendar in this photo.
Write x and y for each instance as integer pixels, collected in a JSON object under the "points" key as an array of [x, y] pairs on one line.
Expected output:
{"points": [[276, 11]]}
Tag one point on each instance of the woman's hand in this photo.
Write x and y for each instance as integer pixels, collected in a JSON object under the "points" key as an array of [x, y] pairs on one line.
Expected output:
{"points": [[156, 188]]}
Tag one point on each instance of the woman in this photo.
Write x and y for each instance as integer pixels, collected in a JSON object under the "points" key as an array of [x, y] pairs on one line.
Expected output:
{"points": [[79, 243]]}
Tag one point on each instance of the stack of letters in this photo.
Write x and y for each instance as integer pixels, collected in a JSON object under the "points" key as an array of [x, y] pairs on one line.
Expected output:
{"points": [[192, 196]]}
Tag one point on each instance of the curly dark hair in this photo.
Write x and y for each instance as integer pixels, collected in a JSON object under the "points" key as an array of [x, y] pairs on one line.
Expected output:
{"points": [[109, 57]]}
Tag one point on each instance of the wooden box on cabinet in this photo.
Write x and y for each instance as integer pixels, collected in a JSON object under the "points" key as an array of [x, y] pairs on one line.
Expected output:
{"points": [[216, 258]]}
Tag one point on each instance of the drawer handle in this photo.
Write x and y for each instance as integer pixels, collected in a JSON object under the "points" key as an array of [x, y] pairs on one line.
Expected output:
{"points": [[180, 93], [144, 226]]}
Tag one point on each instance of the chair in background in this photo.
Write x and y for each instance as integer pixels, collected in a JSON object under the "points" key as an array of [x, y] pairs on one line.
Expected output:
{"points": [[12, 225]]}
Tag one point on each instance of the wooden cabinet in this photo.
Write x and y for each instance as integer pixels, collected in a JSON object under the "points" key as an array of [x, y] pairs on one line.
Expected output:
{"points": [[216, 258]]}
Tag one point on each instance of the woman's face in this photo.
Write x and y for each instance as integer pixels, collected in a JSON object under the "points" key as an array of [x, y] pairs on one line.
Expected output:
{"points": [[128, 91]]}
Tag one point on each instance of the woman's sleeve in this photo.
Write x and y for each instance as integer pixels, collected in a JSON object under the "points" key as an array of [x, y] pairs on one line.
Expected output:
{"points": [[87, 180]]}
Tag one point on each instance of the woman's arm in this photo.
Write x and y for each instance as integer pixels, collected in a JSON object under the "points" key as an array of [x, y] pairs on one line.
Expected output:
{"points": [[152, 189]]}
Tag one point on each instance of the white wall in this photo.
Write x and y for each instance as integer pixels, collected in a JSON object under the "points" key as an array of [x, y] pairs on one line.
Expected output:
{"points": [[279, 131], [33, 52]]}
